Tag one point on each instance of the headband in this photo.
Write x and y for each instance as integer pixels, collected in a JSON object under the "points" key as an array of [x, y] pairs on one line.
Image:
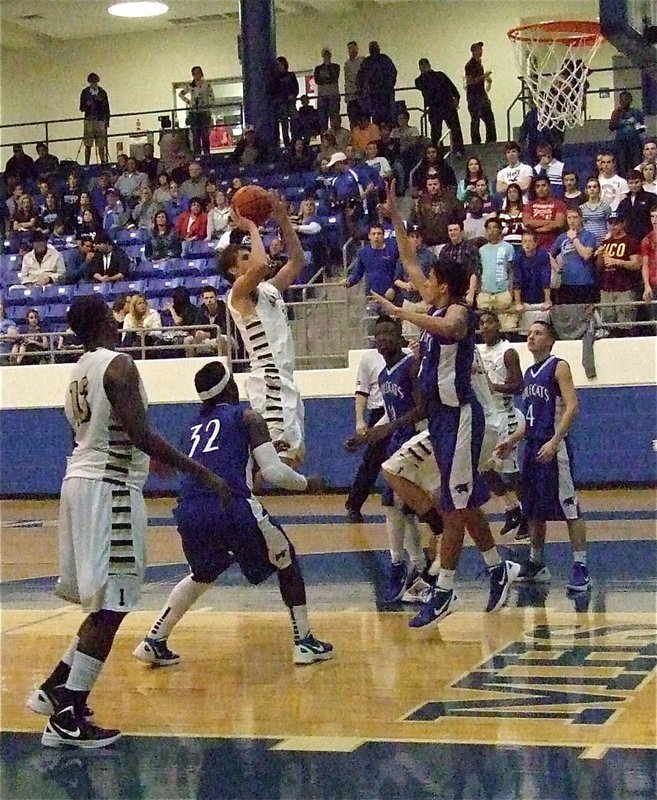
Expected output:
{"points": [[217, 389]]}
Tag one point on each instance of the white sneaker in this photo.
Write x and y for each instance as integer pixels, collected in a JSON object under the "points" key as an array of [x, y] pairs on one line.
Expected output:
{"points": [[155, 652], [309, 650], [418, 592]]}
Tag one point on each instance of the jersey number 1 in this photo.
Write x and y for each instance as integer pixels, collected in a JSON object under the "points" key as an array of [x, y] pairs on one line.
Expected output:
{"points": [[78, 391]]}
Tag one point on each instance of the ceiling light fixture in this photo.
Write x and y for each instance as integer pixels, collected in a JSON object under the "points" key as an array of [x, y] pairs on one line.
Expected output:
{"points": [[138, 8]]}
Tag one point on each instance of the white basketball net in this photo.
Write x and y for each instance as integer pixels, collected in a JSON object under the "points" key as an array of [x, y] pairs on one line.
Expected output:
{"points": [[555, 66]]}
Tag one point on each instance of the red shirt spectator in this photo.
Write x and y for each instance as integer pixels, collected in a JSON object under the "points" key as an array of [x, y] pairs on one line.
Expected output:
{"points": [[545, 215], [192, 224], [649, 255]]}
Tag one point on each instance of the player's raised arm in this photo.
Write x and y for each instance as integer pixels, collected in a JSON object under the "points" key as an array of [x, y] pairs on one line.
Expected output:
{"points": [[289, 273], [453, 325], [258, 261], [121, 384], [273, 470]]}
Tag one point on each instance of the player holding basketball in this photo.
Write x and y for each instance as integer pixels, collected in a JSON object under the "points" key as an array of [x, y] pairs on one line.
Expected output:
{"points": [[257, 308], [225, 439], [102, 517], [549, 492], [456, 422]]}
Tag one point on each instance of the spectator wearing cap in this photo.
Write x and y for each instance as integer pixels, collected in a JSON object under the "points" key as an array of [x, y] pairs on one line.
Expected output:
{"points": [[351, 67], [307, 122], [46, 165], [249, 150], [619, 263], [465, 253], [285, 91], [94, 104], [441, 101], [436, 208], [115, 216], [376, 81], [20, 168], [43, 264], [110, 263], [409, 295], [327, 75], [477, 84], [347, 185], [636, 207]]}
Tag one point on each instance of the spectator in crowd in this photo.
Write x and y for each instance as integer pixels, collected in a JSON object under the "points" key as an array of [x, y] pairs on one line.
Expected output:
{"points": [[388, 148], [408, 294], [192, 225], [13, 201], [595, 211], [8, 334], [619, 261], [98, 193], [351, 67], [327, 76], [441, 101], [300, 158], [183, 313], [43, 264], [144, 212], [477, 85], [120, 308], [473, 172], [249, 150], [613, 187], [109, 264], [545, 214], [432, 166], [77, 261], [176, 203], [635, 208], [408, 138], [514, 172], [130, 184], [435, 209], [33, 346], [497, 276], [46, 165], [649, 154], [209, 340], [532, 275], [511, 216], [474, 224], [149, 165], [364, 132], [85, 204], [464, 252], [629, 124], [348, 187], [120, 166], [49, 215], [490, 204], [71, 200], [218, 217], [530, 137], [379, 164], [89, 224], [58, 238], [648, 254], [571, 193], [573, 264], [327, 148], [44, 189], [141, 316], [375, 82], [649, 174], [376, 262], [115, 215], [195, 185], [307, 121], [342, 135], [24, 220], [162, 193], [284, 92], [163, 241], [198, 96], [549, 166], [309, 230], [19, 168], [94, 104]]}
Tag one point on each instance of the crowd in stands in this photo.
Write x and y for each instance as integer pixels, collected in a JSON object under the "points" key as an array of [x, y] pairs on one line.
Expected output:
{"points": [[144, 234]]}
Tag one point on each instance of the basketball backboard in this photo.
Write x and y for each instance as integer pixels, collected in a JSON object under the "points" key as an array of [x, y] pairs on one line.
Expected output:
{"points": [[631, 26]]}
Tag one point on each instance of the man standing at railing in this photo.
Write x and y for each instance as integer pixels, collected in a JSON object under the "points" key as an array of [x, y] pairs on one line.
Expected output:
{"points": [[477, 85], [441, 101], [94, 104]]}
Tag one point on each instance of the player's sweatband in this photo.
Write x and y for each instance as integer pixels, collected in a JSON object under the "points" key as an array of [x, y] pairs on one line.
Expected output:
{"points": [[274, 471]]}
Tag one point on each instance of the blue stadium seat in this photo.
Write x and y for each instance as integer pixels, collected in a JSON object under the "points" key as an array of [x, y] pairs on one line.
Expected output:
{"points": [[199, 250], [134, 251], [55, 313], [124, 237], [146, 269], [126, 287], [24, 295], [294, 193], [54, 293], [10, 261], [196, 285], [334, 231], [162, 287], [84, 289], [181, 267]]}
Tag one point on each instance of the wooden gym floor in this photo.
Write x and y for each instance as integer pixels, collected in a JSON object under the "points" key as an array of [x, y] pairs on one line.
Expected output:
{"points": [[543, 701]]}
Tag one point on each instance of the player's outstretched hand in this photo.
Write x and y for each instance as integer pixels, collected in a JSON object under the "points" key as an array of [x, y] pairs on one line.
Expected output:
{"points": [[390, 205], [278, 209], [316, 484], [354, 443], [240, 222], [387, 306]]}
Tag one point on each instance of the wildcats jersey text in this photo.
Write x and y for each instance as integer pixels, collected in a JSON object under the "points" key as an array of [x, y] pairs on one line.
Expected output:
{"points": [[543, 404]]}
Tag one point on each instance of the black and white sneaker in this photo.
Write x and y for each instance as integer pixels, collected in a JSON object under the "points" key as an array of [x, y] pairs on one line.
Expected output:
{"points": [[64, 729], [46, 701], [309, 650], [512, 519], [155, 652]]}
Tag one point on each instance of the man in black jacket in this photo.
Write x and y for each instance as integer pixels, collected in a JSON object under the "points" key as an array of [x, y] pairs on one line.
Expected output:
{"points": [[94, 104], [110, 263], [441, 99], [376, 81], [636, 207]]}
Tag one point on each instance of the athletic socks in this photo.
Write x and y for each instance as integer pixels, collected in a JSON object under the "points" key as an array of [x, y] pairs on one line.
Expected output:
{"points": [[181, 599], [300, 625], [395, 525], [492, 557], [61, 672], [413, 542], [579, 556], [433, 519], [536, 555]]}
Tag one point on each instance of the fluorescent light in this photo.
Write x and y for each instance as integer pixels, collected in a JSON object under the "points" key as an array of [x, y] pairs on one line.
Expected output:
{"points": [[138, 8]]}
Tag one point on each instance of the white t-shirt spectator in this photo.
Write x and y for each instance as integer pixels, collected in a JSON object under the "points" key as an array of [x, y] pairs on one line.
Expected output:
{"points": [[152, 321], [381, 165], [613, 190], [520, 173], [367, 378], [553, 170]]}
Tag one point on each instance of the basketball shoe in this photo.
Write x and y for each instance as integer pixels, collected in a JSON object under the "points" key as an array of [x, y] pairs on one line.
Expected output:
{"points": [[64, 729], [512, 518], [522, 534], [397, 578], [537, 573], [155, 652], [309, 650], [501, 578], [441, 604], [417, 589], [46, 701], [579, 579]]}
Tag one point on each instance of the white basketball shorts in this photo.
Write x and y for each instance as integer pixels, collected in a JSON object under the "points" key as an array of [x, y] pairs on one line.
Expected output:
{"points": [[276, 396]]}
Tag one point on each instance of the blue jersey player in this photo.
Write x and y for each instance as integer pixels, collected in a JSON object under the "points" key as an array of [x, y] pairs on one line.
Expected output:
{"points": [[400, 394], [456, 422], [551, 406], [227, 438]]}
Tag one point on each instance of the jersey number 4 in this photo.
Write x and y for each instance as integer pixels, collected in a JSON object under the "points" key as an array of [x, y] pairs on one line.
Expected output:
{"points": [[529, 416], [210, 432], [78, 391]]}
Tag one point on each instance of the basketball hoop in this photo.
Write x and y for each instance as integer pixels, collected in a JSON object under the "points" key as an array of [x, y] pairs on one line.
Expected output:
{"points": [[554, 59]]}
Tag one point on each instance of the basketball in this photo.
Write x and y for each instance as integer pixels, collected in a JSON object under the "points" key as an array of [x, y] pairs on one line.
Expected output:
{"points": [[253, 202]]}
